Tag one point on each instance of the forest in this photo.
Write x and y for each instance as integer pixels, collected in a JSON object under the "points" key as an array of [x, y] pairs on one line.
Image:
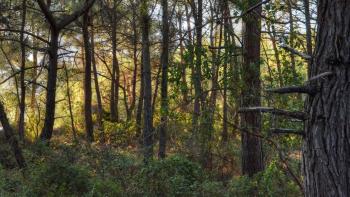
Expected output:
{"points": [[175, 98]]}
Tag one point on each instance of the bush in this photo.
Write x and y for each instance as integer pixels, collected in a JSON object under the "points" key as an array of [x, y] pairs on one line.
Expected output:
{"points": [[174, 176], [212, 189], [105, 188], [59, 178], [119, 134], [271, 182]]}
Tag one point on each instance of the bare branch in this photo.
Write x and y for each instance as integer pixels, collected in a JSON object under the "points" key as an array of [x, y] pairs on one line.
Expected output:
{"points": [[16, 73], [293, 114], [295, 89], [296, 52], [287, 131], [27, 33], [320, 76]]}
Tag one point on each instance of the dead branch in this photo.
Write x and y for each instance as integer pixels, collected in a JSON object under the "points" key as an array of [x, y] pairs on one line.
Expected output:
{"points": [[293, 114], [296, 52], [307, 89], [287, 131]]}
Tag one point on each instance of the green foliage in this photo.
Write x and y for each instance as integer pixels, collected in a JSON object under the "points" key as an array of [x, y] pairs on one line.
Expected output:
{"points": [[271, 182], [174, 176], [59, 178], [120, 134], [105, 188], [212, 189]]}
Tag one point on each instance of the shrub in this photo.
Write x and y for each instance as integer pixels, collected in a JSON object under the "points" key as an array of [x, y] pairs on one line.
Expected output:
{"points": [[174, 176], [59, 178], [271, 182], [105, 188]]}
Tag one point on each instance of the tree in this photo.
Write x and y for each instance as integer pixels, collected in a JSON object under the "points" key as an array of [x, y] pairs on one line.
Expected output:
{"points": [[11, 138], [252, 158], [326, 145], [147, 78], [87, 78], [22, 105], [56, 27], [164, 85]]}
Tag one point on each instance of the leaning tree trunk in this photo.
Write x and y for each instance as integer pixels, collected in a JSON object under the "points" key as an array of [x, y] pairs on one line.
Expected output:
{"points": [[252, 160], [326, 151], [11, 138]]}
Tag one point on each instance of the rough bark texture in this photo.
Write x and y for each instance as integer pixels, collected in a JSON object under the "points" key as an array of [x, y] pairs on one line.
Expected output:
{"points": [[147, 100], [87, 79], [22, 105], [164, 84], [50, 106], [327, 142], [197, 75], [140, 107], [252, 159], [135, 59]]}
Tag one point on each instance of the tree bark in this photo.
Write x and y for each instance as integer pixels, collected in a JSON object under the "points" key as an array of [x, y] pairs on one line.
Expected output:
{"points": [[50, 106], [252, 158], [87, 79], [11, 138], [97, 86], [22, 105], [326, 151], [308, 32], [147, 99], [135, 40], [70, 104], [140, 107], [197, 77], [115, 74], [55, 27], [164, 85]]}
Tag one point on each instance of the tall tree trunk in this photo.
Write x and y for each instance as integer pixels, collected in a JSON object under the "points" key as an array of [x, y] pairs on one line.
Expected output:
{"points": [[224, 135], [50, 106], [70, 108], [22, 105], [87, 79], [135, 40], [146, 61], [164, 86], [276, 53], [252, 158], [326, 151], [292, 38], [140, 107], [184, 88], [97, 86], [308, 32], [115, 75], [11, 138], [197, 77], [34, 77], [55, 27]]}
